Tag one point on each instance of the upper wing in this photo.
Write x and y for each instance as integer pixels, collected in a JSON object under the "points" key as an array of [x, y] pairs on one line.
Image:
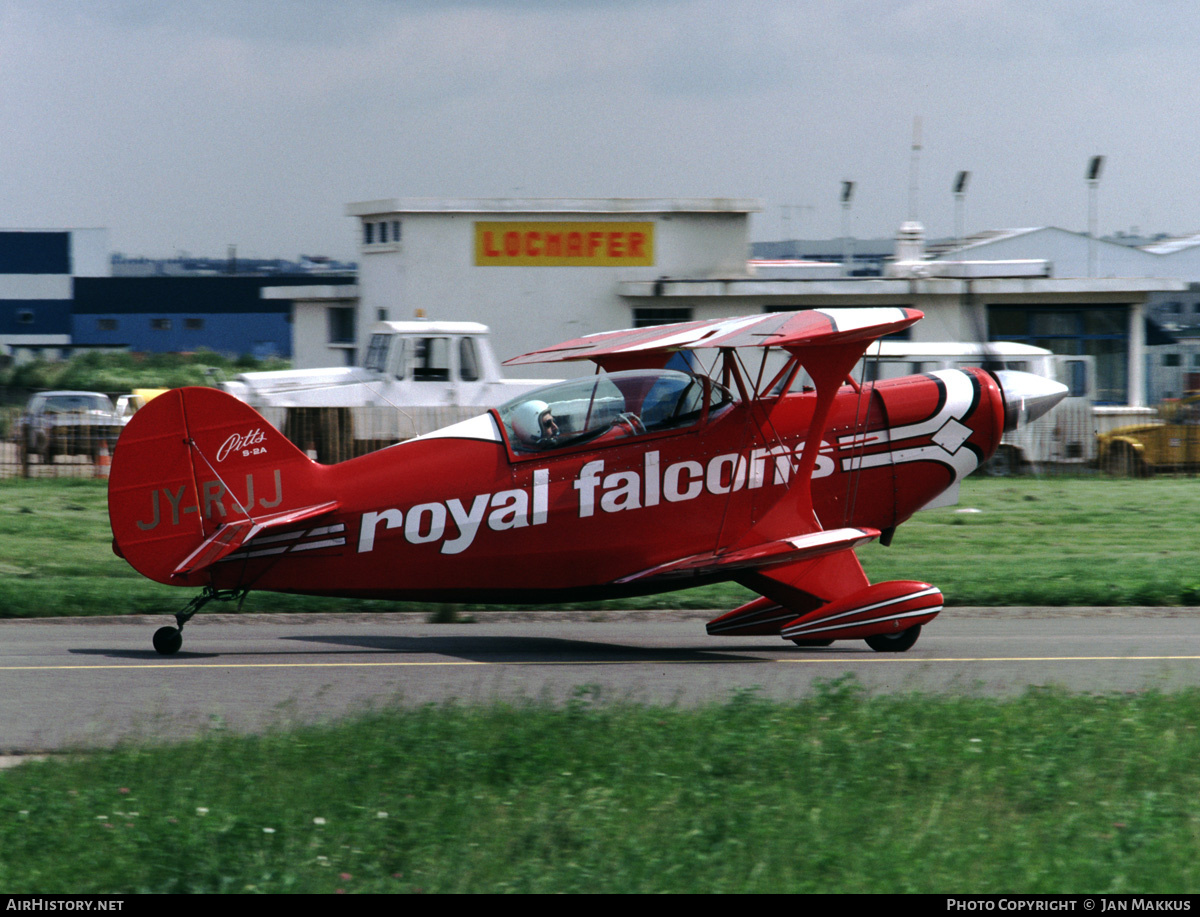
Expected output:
{"points": [[777, 329]]}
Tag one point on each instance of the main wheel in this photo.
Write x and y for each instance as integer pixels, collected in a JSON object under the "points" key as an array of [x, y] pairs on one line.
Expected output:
{"points": [[168, 640], [895, 643]]}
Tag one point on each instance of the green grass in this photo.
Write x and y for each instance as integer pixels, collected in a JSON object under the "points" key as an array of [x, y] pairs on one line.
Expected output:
{"points": [[1048, 541], [1054, 541], [838, 793]]}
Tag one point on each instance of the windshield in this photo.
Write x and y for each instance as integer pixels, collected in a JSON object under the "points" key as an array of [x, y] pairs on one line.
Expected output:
{"points": [[74, 404], [604, 407]]}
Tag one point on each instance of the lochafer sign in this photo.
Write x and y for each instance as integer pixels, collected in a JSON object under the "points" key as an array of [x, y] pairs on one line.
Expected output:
{"points": [[566, 244]]}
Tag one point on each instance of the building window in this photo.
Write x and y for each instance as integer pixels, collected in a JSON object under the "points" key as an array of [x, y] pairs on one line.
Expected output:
{"points": [[25, 317], [1170, 359], [395, 230], [381, 315], [1101, 332], [383, 232], [160, 324], [193, 324], [106, 324], [647, 316], [368, 233], [341, 325]]}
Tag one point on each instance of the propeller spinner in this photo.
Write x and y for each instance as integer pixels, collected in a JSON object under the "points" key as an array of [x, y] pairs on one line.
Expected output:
{"points": [[1026, 396]]}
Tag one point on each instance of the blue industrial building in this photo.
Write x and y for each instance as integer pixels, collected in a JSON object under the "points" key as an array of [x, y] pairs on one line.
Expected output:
{"points": [[37, 270], [176, 314], [57, 296]]}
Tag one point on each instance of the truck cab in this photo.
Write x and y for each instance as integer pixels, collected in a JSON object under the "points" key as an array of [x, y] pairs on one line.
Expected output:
{"points": [[418, 376]]}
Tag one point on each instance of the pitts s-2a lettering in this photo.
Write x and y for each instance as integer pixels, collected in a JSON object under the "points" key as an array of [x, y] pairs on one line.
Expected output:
{"points": [[635, 480]]}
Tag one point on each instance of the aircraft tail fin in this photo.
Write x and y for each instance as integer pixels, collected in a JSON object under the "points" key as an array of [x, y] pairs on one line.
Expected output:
{"points": [[197, 474]]}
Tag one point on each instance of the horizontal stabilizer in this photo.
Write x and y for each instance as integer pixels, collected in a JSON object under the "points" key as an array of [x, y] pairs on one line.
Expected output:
{"points": [[234, 535], [784, 551]]}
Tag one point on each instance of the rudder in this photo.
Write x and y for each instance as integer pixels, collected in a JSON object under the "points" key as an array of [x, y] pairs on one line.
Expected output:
{"points": [[189, 462]]}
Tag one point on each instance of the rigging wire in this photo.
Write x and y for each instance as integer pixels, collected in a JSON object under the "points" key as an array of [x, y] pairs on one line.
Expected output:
{"points": [[859, 429]]}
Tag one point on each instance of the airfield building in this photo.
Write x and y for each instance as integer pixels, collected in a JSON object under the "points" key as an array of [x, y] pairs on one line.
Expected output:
{"points": [[541, 271]]}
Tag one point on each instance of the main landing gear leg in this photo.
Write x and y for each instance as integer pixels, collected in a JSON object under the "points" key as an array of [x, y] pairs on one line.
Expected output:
{"points": [[168, 640]]}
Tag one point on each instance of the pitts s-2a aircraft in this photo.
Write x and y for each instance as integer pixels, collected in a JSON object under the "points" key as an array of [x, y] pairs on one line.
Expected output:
{"points": [[635, 480]]}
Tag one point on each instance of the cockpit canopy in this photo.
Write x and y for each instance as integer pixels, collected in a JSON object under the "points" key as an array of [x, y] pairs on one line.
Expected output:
{"points": [[628, 403]]}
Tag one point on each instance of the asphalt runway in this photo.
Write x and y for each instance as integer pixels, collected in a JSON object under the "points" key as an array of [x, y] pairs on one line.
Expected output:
{"points": [[80, 683]]}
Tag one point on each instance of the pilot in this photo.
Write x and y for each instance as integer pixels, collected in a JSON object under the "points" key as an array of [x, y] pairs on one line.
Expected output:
{"points": [[534, 425]]}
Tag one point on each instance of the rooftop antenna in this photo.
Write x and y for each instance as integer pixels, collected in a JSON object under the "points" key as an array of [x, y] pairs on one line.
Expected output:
{"points": [[910, 241], [797, 212], [914, 170]]}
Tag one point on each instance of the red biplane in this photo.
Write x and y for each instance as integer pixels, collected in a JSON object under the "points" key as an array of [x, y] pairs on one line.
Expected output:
{"points": [[635, 480]]}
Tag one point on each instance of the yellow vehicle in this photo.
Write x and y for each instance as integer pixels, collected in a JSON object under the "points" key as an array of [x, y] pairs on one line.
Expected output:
{"points": [[1171, 443]]}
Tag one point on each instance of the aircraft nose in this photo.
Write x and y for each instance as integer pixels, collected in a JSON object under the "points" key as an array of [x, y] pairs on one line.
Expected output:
{"points": [[1027, 396]]}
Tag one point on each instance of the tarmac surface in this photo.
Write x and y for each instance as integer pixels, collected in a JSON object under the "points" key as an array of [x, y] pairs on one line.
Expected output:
{"points": [[77, 683]]}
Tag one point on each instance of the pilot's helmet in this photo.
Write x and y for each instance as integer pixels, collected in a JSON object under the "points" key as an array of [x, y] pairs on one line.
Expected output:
{"points": [[526, 421]]}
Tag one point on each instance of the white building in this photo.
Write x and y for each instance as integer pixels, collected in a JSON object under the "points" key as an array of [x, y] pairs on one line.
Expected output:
{"points": [[1170, 367], [536, 271], [542, 271]]}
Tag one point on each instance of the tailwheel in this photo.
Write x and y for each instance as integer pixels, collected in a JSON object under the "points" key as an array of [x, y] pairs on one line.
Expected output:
{"points": [[813, 642], [168, 640], [895, 643]]}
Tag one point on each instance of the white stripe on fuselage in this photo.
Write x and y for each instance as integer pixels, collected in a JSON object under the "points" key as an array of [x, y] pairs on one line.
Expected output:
{"points": [[946, 428]]}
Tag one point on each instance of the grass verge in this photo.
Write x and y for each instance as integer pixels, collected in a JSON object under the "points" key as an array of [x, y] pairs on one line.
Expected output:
{"points": [[1020, 541], [838, 793]]}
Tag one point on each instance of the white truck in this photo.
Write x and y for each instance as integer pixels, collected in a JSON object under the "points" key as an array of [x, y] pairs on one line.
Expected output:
{"points": [[1066, 435], [418, 376]]}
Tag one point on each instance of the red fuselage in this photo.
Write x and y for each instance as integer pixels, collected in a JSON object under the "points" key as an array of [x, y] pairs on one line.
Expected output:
{"points": [[461, 514]]}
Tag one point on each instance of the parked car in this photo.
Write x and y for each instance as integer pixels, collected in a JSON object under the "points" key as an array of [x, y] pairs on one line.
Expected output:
{"points": [[67, 423], [1171, 443]]}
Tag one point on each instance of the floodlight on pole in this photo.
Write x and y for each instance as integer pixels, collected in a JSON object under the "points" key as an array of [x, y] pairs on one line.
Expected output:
{"points": [[847, 243], [960, 193], [1095, 167]]}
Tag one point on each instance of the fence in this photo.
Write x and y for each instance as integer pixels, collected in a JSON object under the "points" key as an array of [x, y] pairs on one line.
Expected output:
{"points": [[329, 435], [332, 435], [74, 447]]}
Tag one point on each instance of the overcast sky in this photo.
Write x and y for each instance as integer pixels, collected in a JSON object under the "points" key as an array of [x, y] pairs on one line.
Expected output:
{"points": [[189, 125]]}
